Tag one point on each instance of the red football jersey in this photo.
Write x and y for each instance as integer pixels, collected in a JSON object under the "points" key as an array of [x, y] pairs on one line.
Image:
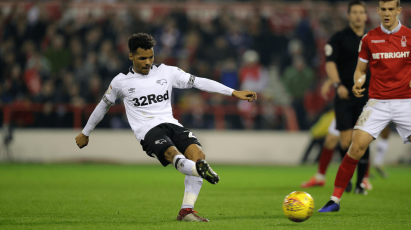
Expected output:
{"points": [[388, 55]]}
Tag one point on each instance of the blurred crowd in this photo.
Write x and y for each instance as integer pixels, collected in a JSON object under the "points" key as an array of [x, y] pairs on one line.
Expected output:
{"points": [[50, 57]]}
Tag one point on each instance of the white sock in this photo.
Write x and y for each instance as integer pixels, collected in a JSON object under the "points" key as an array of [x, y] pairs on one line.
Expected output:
{"points": [[185, 166], [319, 176], [335, 199], [192, 189], [381, 150]]}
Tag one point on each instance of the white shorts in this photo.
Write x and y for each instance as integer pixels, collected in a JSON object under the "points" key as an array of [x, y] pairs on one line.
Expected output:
{"points": [[378, 113], [332, 129]]}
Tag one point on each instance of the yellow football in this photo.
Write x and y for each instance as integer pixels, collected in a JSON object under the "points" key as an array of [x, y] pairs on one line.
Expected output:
{"points": [[298, 206]]}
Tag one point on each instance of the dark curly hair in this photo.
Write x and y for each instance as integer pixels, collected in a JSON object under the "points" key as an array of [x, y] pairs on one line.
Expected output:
{"points": [[140, 40]]}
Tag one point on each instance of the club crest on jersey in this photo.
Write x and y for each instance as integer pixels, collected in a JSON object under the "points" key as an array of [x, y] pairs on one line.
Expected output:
{"points": [[162, 81], [404, 41]]}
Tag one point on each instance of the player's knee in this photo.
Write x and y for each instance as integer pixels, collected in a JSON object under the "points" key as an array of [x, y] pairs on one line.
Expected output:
{"points": [[194, 152], [329, 145], [201, 155], [195, 155], [357, 150], [331, 141]]}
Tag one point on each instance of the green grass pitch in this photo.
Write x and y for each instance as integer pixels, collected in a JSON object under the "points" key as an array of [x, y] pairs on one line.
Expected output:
{"points": [[149, 197]]}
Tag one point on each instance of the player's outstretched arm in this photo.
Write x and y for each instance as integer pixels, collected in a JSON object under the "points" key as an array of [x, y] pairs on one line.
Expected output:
{"points": [[359, 78], [97, 115], [245, 95], [215, 87]]}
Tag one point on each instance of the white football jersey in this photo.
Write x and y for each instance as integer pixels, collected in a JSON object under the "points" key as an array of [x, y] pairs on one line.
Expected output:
{"points": [[147, 98]]}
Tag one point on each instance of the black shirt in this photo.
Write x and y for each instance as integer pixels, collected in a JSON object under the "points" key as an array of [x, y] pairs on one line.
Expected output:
{"points": [[342, 48]]}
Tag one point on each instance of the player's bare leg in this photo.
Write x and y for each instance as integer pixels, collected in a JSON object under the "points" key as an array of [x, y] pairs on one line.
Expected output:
{"points": [[346, 139], [331, 141], [194, 153], [360, 143], [381, 150], [327, 151]]}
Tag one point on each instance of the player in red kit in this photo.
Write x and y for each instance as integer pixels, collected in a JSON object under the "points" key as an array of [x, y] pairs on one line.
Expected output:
{"points": [[386, 50]]}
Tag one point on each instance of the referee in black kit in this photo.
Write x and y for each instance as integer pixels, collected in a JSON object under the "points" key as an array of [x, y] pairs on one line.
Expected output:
{"points": [[342, 58]]}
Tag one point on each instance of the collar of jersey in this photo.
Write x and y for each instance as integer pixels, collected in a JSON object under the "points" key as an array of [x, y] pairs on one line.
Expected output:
{"points": [[393, 31], [134, 73]]}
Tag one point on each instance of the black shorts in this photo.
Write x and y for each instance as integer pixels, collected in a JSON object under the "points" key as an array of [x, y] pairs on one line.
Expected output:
{"points": [[347, 112], [163, 136]]}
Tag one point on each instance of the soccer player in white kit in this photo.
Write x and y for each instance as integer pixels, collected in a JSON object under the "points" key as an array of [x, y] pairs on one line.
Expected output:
{"points": [[386, 49], [145, 89]]}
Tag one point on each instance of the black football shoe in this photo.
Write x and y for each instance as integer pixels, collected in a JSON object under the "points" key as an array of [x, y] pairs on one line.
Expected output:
{"points": [[205, 171]]}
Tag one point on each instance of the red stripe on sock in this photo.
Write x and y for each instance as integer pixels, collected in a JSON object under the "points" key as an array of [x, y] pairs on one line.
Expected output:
{"points": [[344, 174], [325, 159]]}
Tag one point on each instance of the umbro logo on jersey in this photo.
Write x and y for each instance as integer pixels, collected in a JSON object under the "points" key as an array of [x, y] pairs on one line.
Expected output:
{"points": [[378, 41], [131, 90], [391, 55], [150, 99], [161, 82], [160, 142]]}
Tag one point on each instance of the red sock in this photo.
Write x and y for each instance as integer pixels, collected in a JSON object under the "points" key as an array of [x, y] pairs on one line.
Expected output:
{"points": [[325, 159], [367, 173], [344, 175]]}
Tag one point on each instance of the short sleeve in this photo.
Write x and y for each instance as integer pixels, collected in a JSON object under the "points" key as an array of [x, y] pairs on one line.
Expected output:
{"points": [[332, 49], [113, 92], [363, 50], [182, 80]]}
